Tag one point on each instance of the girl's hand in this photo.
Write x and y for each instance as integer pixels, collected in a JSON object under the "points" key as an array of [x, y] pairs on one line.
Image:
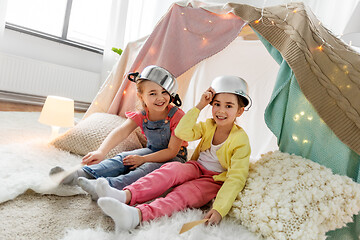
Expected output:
{"points": [[206, 98], [213, 216], [133, 160], [93, 157]]}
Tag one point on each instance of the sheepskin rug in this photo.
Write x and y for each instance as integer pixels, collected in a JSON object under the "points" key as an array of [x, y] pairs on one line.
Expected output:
{"points": [[32, 207]]}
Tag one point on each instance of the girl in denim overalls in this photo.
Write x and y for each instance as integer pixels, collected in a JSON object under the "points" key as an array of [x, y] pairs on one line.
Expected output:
{"points": [[156, 89]]}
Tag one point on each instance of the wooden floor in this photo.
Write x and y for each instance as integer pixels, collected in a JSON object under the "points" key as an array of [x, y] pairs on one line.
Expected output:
{"points": [[19, 107]]}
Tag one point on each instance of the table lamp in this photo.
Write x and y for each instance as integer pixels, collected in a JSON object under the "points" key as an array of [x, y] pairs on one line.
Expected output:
{"points": [[57, 112]]}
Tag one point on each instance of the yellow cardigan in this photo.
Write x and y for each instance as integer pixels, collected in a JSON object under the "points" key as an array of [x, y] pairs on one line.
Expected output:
{"points": [[233, 155]]}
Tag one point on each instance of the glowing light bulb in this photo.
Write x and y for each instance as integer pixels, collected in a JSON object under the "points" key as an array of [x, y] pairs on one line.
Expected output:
{"points": [[210, 21], [295, 138], [152, 51], [305, 141], [257, 21], [185, 29], [302, 113], [272, 22], [182, 13], [310, 118], [204, 38], [348, 86], [296, 117], [226, 16], [320, 48]]}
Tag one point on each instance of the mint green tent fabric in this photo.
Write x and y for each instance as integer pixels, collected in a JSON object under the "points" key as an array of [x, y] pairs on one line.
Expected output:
{"points": [[301, 131]]}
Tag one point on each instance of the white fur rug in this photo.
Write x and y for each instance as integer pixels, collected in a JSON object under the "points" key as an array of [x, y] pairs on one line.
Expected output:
{"points": [[26, 159]]}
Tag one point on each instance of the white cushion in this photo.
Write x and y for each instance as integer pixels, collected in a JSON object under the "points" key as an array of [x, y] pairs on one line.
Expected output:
{"points": [[89, 133], [289, 197]]}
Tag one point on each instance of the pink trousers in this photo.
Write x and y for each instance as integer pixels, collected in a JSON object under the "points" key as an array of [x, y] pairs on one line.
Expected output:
{"points": [[193, 185]]}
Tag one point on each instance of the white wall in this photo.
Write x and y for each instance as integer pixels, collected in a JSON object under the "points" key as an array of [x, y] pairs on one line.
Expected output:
{"points": [[78, 70]]}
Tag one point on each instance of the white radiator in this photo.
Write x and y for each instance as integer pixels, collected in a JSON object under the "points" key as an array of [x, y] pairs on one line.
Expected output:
{"points": [[29, 76]]}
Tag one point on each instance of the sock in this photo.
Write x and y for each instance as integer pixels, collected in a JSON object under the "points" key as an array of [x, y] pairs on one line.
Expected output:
{"points": [[124, 216], [73, 177], [55, 170], [88, 186], [103, 189]]}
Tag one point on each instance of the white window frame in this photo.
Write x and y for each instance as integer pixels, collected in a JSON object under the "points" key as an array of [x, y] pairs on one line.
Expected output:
{"points": [[63, 39]]}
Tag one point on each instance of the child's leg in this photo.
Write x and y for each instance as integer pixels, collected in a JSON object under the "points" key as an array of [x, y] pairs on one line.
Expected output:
{"points": [[113, 167], [101, 188], [107, 168], [159, 181], [191, 194], [114, 183], [124, 180]]}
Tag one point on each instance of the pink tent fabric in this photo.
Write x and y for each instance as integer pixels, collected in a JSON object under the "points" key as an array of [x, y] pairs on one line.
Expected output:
{"points": [[184, 37]]}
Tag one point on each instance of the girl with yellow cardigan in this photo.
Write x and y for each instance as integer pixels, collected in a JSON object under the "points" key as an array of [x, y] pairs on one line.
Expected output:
{"points": [[217, 169]]}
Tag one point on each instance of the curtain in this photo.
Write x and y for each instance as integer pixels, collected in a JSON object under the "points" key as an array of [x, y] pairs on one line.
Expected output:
{"points": [[129, 21], [3, 5], [115, 35]]}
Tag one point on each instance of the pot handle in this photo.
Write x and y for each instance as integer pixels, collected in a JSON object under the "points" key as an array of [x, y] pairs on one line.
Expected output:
{"points": [[176, 100], [132, 76]]}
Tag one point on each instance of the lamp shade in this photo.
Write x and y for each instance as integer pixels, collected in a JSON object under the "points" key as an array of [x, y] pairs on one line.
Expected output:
{"points": [[58, 111]]}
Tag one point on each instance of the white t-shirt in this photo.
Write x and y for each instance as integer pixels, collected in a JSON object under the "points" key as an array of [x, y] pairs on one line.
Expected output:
{"points": [[209, 160]]}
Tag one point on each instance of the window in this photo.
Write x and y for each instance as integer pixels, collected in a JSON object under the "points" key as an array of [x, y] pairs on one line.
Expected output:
{"points": [[75, 22]]}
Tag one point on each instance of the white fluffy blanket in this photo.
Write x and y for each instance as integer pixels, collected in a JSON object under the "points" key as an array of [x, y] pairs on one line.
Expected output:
{"points": [[26, 159]]}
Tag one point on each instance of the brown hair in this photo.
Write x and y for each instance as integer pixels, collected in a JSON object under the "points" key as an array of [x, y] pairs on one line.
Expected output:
{"points": [[139, 103], [138, 85], [241, 100]]}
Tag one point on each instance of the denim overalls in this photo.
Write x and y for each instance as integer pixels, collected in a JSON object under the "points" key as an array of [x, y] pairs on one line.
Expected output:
{"points": [[158, 136]]}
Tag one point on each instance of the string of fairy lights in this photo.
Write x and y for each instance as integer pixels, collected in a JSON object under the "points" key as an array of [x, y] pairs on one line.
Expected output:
{"points": [[290, 9], [346, 46]]}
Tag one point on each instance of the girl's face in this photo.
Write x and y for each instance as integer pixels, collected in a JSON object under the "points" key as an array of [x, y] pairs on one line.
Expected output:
{"points": [[154, 96], [225, 108]]}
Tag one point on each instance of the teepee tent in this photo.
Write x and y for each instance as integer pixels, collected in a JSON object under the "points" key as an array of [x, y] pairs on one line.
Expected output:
{"points": [[306, 92]]}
